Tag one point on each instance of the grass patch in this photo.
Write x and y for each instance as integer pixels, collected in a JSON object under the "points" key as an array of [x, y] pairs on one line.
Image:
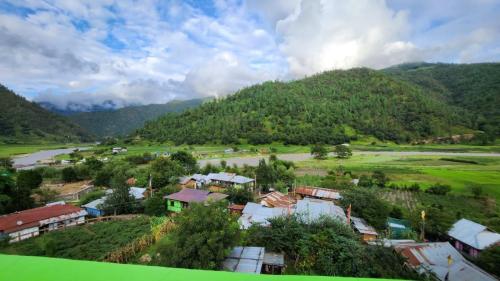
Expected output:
{"points": [[459, 160]]}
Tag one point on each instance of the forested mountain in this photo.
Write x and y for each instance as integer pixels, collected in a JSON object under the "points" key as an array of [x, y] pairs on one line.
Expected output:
{"points": [[331, 107], [475, 87], [125, 120], [25, 121]]}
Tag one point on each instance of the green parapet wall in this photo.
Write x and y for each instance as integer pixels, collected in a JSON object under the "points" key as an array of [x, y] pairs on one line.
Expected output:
{"points": [[24, 268], [175, 207]]}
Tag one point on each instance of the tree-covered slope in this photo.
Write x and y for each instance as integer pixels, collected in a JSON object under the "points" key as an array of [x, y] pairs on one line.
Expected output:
{"points": [[475, 87], [125, 120], [25, 121], [331, 107]]}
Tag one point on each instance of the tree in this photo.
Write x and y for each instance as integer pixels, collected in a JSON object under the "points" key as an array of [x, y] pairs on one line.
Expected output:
{"points": [[437, 222], [7, 187], [29, 179], [6, 163], [343, 151], [439, 189], [365, 181], [379, 178], [265, 174], [120, 201], [476, 190], [488, 259], [165, 171], [68, 174], [187, 161], [319, 152], [155, 206], [239, 195], [93, 164], [202, 239], [46, 195], [366, 204]]}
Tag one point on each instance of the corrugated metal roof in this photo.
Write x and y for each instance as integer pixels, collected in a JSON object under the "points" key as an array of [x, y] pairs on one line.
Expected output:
{"points": [[137, 192], [433, 257], [256, 213], [189, 195], [362, 227], [323, 193], [273, 258], [276, 199], [313, 209], [32, 217], [96, 204], [473, 234], [245, 259]]}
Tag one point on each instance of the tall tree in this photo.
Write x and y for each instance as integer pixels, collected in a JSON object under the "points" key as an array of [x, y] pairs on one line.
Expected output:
{"points": [[203, 238]]}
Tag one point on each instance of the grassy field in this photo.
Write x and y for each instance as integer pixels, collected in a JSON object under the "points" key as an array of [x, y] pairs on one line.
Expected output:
{"points": [[458, 172]]}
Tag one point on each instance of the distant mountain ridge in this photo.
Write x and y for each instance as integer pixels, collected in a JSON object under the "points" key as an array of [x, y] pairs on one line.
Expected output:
{"points": [[474, 87], [75, 108], [123, 121], [22, 121]]}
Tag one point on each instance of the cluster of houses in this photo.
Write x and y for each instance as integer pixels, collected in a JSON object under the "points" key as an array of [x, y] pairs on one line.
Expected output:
{"points": [[444, 260]]}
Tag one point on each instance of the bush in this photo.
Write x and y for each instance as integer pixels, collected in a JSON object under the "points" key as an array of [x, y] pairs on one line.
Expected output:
{"points": [[68, 174], [439, 189]]}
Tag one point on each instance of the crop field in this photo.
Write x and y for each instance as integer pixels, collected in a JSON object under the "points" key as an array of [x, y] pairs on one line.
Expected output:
{"points": [[458, 172], [16, 149], [87, 242]]}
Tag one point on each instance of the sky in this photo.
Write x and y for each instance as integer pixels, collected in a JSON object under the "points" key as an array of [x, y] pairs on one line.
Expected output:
{"points": [[77, 54]]}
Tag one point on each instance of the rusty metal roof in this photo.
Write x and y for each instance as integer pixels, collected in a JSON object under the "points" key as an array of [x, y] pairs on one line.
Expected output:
{"points": [[433, 257], [276, 199], [323, 193]]}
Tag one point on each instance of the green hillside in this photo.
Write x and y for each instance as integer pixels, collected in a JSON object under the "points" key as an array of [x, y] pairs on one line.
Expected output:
{"points": [[331, 107], [22, 121], [125, 120], [475, 87]]}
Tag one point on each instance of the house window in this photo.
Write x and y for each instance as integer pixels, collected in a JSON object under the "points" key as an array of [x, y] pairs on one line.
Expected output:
{"points": [[171, 203]]}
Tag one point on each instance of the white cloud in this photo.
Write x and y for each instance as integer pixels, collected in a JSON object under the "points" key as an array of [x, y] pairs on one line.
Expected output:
{"points": [[70, 52], [322, 35]]}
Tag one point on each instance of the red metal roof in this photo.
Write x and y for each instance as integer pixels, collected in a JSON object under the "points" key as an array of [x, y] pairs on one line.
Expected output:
{"points": [[318, 192], [31, 217], [236, 207]]}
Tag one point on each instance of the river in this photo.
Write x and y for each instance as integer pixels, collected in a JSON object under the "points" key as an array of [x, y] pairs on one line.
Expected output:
{"points": [[30, 160]]}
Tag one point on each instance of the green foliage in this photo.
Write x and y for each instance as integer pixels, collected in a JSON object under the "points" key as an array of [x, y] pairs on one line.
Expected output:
{"points": [[155, 206], [488, 260], [120, 201], [24, 121], [124, 121], [68, 174], [7, 190], [165, 171], [89, 242], [319, 151], [45, 195], [343, 151], [439, 189], [476, 190], [29, 179], [239, 195], [367, 205], [91, 196], [187, 161], [474, 87], [202, 239], [326, 247], [268, 174], [379, 178], [314, 110]]}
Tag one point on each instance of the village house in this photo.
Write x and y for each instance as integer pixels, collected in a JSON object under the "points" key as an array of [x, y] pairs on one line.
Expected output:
{"points": [[442, 260], [471, 238], [95, 208], [33, 222], [254, 260], [254, 213], [313, 209], [317, 192], [367, 232], [276, 199], [222, 179], [178, 201]]}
